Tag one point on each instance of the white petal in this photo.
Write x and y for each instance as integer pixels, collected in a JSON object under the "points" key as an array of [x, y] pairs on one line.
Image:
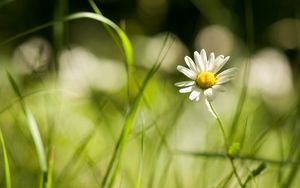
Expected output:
{"points": [[185, 83], [211, 62], [204, 59], [220, 63], [219, 87], [210, 109], [190, 63], [224, 79], [228, 72], [194, 94], [209, 93], [217, 61], [199, 61], [187, 72], [186, 89]]}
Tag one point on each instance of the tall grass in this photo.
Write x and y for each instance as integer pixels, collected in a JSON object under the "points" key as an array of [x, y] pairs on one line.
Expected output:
{"points": [[137, 137], [6, 162], [33, 127]]}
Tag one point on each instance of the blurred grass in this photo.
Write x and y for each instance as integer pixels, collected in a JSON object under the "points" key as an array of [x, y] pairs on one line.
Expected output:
{"points": [[156, 138], [112, 168], [126, 45], [35, 133], [59, 29], [5, 161], [141, 162]]}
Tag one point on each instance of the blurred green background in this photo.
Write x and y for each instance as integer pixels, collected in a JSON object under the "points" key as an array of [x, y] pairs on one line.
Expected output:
{"points": [[73, 77]]}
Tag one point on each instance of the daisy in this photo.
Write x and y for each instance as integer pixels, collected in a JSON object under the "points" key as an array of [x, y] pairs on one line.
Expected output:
{"points": [[205, 79]]}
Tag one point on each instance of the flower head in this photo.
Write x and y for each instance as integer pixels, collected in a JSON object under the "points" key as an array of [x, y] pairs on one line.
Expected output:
{"points": [[204, 75]]}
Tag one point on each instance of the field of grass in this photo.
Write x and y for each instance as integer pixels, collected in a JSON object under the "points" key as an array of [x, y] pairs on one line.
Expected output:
{"points": [[88, 100]]}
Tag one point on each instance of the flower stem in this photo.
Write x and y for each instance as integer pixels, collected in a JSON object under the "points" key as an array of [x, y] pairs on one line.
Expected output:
{"points": [[231, 158]]}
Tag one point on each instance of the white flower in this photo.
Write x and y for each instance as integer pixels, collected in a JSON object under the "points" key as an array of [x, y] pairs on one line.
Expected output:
{"points": [[205, 79]]}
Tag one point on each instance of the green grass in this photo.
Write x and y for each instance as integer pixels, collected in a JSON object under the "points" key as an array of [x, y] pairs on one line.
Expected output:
{"points": [[126, 45], [6, 163], [146, 134], [35, 133]]}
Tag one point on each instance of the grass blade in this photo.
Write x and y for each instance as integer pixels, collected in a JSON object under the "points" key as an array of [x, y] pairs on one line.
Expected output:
{"points": [[108, 29], [251, 44], [113, 35], [257, 171], [15, 87], [78, 152], [112, 167], [50, 168], [292, 173], [226, 180], [211, 155], [35, 133], [140, 173], [37, 139], [126, 45], [59, 29], [6, 163]]}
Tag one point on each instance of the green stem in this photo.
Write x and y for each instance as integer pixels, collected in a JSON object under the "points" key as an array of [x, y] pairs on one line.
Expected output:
{"points": [[6, 163], [231, 158]]}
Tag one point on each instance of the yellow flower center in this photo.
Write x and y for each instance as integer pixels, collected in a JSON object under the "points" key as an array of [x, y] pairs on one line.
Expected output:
{"points": [[205, 80]]}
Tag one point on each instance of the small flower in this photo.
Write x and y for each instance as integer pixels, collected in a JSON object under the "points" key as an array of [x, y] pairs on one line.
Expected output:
{"points": [[204, 75]]}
